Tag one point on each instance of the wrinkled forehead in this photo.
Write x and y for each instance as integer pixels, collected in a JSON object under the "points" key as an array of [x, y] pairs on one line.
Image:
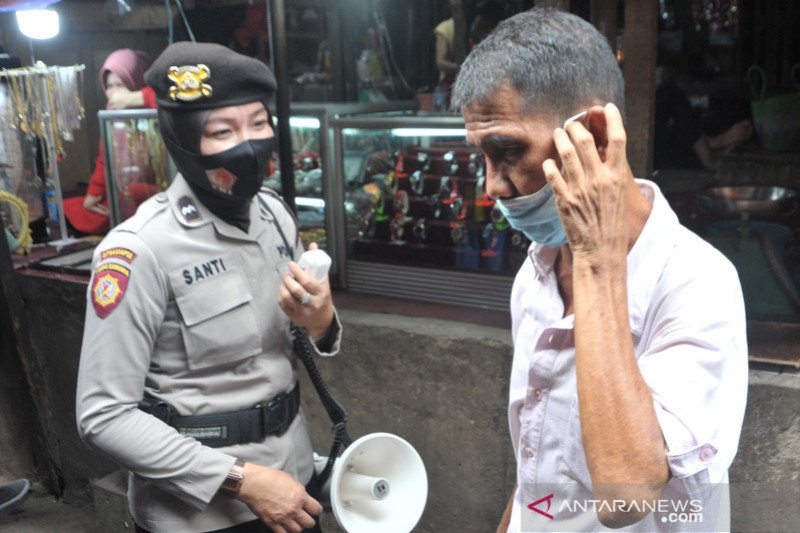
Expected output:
{"points": [[505, 104]]}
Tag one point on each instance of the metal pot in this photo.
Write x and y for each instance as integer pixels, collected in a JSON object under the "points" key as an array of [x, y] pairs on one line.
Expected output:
{"points": [[754, 202]]}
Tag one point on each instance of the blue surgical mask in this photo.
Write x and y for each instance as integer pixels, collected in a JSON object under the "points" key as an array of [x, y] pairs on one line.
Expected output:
{"points": [[535, 215]]}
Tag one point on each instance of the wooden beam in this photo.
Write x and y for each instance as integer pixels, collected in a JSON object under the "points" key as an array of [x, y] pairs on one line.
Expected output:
{"points": [[639, 67], [563, 5], [460, 31], [604, 18]]}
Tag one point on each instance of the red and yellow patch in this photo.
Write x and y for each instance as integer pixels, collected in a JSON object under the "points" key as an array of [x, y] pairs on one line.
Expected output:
{"points": [[108, 287], [118, 253]]}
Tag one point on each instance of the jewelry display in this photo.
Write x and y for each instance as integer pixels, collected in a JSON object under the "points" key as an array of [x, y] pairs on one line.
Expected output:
{"points": [[434, 203], [420, 230], [401, 203], [47, 107], [397, 228], [424, 161], [459, 233], [417, 182], [451, 162]]}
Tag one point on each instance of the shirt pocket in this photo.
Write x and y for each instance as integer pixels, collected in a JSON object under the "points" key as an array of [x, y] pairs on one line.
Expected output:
{"points": [[573, 461], [218, 322]]}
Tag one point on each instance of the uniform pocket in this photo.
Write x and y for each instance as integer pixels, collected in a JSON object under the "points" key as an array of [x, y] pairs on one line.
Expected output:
{"points": [[218, 321]]}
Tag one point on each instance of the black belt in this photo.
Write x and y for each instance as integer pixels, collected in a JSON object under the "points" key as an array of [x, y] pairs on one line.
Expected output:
{"points": [[226, 429]]}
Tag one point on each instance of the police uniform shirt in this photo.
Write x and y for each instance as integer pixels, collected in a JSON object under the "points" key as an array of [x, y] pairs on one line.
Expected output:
{"points": [[185, 306]]}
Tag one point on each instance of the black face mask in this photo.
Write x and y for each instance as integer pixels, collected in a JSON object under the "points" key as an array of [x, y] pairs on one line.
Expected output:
{"points": [[235, 174]]}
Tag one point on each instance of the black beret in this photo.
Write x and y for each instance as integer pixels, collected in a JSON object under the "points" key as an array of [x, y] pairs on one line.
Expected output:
{"points": [[192, 76]]}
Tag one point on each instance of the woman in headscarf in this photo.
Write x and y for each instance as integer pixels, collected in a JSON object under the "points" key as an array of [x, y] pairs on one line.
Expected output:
{"points": [[122, 80], [188, 376]]}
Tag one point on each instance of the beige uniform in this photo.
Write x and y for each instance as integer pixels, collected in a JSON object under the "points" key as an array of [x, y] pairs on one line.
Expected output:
{"points": [[185, 306]]}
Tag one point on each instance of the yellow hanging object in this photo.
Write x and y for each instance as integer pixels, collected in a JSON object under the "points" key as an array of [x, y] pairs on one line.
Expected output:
{"points": [[20, 241]]}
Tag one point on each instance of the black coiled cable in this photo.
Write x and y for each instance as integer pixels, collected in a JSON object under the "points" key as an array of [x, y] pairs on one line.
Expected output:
{"points": [[335, 411]]}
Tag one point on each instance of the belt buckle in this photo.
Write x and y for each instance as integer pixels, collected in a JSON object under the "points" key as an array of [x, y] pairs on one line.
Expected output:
{"points": [[278, 403]]}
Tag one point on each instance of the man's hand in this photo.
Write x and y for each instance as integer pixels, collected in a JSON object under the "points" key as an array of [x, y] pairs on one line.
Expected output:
{"points": [[92, 203], [591, 194], [278, 499], [316, 314]]}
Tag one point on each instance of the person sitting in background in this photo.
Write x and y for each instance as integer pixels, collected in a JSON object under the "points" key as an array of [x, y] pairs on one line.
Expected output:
{"points": [[680, 140], [122, 79]]}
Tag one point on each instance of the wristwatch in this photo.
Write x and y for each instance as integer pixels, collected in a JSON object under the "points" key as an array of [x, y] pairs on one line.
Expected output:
{"points": [[233, 481]]}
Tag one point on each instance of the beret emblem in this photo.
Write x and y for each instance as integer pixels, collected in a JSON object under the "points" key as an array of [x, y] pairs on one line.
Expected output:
{"points": [[188, 82]]}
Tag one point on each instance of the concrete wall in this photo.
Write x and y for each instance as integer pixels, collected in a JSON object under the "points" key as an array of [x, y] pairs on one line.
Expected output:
{"points": [[442, 386]]}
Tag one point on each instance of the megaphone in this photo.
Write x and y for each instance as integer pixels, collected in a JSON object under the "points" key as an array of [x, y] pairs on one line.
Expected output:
{"points": [[378, 484]]}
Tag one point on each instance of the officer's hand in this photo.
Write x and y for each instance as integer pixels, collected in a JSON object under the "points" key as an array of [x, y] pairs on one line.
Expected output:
{"points": [[316, 314], [278, 499], [591, 194]]}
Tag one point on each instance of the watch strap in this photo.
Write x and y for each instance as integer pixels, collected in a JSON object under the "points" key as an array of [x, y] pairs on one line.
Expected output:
{"points": [[233, 481]]}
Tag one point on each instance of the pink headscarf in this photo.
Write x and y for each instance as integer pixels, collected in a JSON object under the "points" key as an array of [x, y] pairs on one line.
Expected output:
{"points": [[129, 65]]}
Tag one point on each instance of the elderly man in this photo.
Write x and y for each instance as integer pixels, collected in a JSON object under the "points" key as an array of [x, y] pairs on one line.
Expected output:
{"points": [[629, 380]]}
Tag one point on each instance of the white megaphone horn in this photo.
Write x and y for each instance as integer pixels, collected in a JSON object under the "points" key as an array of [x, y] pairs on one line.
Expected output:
{"points": [[378, 484]]}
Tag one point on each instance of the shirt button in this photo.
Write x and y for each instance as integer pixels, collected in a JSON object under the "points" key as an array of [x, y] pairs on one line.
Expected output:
{"points": [[161, 197], [707, 453], [538, 395], [528, 452]]}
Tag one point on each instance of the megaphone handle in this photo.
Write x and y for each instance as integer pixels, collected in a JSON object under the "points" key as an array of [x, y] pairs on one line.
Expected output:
{"points": [[335, 411]]}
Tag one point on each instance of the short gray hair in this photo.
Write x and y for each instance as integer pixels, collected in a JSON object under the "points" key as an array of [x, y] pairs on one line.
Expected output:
{"points": [[556, 61]]}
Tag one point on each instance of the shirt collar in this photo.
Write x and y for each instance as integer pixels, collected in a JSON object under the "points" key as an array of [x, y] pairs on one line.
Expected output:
{"points": [[645, 261], [191, 213]]}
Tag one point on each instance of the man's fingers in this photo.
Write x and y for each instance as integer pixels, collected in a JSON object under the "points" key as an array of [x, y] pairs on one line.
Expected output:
{"points": [[617, 139], [584, 143], [554, 178], [313, 506], [305, 520], [571, 169]]}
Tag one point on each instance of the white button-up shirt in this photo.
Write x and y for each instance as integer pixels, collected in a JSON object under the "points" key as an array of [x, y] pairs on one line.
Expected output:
{"points": [[687, 320]]}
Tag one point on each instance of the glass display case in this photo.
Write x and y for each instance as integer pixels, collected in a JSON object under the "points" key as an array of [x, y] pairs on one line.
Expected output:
{"points": [[418, 222], [136, 160], [313, 150]]}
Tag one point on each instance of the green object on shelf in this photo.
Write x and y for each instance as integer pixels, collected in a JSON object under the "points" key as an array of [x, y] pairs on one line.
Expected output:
{"points": [[756, 249], [776, 118]]}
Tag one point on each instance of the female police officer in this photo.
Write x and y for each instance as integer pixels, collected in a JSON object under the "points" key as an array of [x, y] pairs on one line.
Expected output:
{"points": [[187, 376]]}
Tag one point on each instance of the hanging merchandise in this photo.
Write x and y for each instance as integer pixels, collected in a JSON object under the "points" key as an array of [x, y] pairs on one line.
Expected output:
{"points": [[43, 105], [14, 214], [18, 160]]}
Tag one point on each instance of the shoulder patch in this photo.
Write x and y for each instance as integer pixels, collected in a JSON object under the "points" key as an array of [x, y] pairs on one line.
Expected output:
{"points": [[109, 282], [118, 253]]}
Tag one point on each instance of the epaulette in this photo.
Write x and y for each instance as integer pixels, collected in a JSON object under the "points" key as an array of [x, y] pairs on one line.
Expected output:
{"points": [[145, 213]]}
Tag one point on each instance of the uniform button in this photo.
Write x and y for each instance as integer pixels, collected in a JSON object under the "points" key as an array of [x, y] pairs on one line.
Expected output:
{"points": [[528, 452], [707, 453], [538, 395], [161, 197]]}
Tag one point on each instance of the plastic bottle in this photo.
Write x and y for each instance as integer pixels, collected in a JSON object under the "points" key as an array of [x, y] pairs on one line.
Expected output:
{"points": [[51, 199], [439, 98]]}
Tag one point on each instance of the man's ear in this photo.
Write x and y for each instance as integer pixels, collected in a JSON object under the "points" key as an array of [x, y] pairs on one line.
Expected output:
{"points": [[595, 122]]}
